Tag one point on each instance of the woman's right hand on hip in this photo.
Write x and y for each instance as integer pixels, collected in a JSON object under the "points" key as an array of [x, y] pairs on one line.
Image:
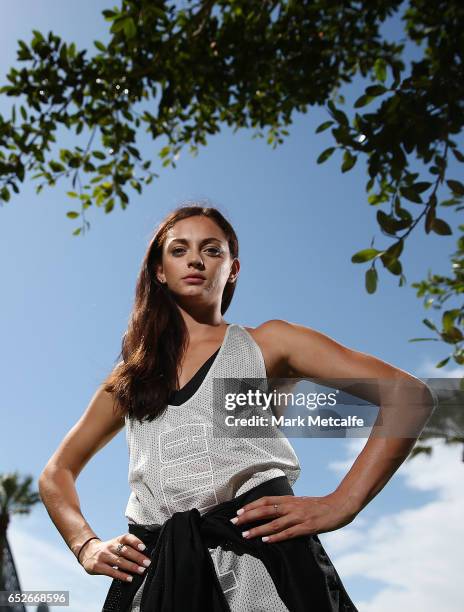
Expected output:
{"points": [[100, 557]]}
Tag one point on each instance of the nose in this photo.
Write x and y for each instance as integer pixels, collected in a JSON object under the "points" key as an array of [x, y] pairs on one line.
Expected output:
{"points": [[196, 261]]}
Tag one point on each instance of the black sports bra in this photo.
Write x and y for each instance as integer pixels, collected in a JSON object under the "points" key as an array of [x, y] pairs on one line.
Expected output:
{"points": [[180, 396]]}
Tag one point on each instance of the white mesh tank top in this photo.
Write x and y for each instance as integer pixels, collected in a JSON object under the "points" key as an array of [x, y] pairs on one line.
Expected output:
{"points": [[176, 464]]}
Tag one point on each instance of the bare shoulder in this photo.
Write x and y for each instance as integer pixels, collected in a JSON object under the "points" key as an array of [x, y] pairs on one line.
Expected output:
{"points": [[278, 330], [268, 331], [275, 338], [299, 350]]}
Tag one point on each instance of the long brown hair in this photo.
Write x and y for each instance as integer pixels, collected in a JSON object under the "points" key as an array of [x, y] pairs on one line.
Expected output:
{"points": [[156, 336]]}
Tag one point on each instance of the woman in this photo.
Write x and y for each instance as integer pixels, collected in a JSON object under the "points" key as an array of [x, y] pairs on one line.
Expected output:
{"points": [[213, 521]]}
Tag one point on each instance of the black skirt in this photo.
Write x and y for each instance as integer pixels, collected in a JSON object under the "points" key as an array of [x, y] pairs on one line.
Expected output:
{"points": [[182, 576]]}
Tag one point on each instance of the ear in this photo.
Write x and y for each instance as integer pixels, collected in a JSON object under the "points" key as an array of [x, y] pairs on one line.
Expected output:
{"points": [[159, 274], [234, 270]]}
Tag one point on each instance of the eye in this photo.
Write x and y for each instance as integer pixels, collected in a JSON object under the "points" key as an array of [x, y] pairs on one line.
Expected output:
{"points": [[215, 250], [176, 250]]}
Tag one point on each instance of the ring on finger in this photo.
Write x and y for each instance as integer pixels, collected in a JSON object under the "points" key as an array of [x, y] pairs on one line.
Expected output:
{"points": [[119, 547]]}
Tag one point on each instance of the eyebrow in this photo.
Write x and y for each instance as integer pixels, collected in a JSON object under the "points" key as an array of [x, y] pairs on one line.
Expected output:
{"points": [[184, 241]]}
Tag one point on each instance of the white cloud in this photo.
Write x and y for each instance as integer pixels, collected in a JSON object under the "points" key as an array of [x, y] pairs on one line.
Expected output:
{"points": [[428, 370], [417, 553], [44, 566]]}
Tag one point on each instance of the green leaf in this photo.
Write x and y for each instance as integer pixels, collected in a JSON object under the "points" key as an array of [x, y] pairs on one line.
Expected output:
{"points": [[452, 336], [375, 90], [118, 25], [429, 324], [410, 194], [420, 187], [72, 214], [439, 226], [449, 317], [130, 29], [325, 155], [396, 249], [324, 126], [349, 161], [371, 280], [456, 186], [364, 255], [165, 151], [458, 155], [450, 202], [338, 114], [37, 40], [392, 264], [362, 101], [380, 69], [100, 46], [109, 15], [56, 166]]}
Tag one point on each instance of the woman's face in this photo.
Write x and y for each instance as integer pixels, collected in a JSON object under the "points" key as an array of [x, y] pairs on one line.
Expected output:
{"points": [[197, 245]]}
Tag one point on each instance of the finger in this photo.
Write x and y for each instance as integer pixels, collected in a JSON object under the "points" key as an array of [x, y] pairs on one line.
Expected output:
{"points": [[124, 564], [270, 528], [287, 534], [130, 549], [262, 512], [264, 501], [108, 570], [132, 540]]}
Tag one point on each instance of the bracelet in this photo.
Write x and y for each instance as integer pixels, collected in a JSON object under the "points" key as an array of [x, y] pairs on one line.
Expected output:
{"points": [[80, 550]]}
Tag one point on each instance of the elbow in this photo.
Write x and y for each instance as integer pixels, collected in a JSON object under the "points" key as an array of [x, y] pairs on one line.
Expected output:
{"points": [[54, 472], [43, 479], [45, 473], [42, 485], [46, 476]]}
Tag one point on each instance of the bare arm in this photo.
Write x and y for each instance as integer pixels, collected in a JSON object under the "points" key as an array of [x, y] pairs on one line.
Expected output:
{"points": [[97, 426], [302, 352], [311, 354]]}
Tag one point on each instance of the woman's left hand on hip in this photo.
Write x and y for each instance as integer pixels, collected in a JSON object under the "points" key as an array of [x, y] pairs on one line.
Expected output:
{"points": [[294, 516]]}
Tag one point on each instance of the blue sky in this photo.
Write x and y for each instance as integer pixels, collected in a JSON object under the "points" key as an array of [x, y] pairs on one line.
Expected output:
{"points": [[66, 302]]}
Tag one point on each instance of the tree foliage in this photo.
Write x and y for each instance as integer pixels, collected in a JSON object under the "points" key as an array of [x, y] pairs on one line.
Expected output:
{"points": [[180, 74], [16, 497]]}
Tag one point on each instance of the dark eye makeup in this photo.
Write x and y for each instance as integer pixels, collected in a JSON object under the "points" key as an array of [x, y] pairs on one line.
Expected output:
{"points": [[216, 250]]}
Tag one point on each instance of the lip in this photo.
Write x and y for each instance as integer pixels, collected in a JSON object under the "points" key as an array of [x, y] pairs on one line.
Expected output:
{"points": [[194, 278]]}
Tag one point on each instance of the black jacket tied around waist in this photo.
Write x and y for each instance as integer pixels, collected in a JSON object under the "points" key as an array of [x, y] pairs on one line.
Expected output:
{"points": [[182, 576]]}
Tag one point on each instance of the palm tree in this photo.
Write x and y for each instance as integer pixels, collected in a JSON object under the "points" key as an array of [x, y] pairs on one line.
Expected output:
{"points": [[16, 497]]}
